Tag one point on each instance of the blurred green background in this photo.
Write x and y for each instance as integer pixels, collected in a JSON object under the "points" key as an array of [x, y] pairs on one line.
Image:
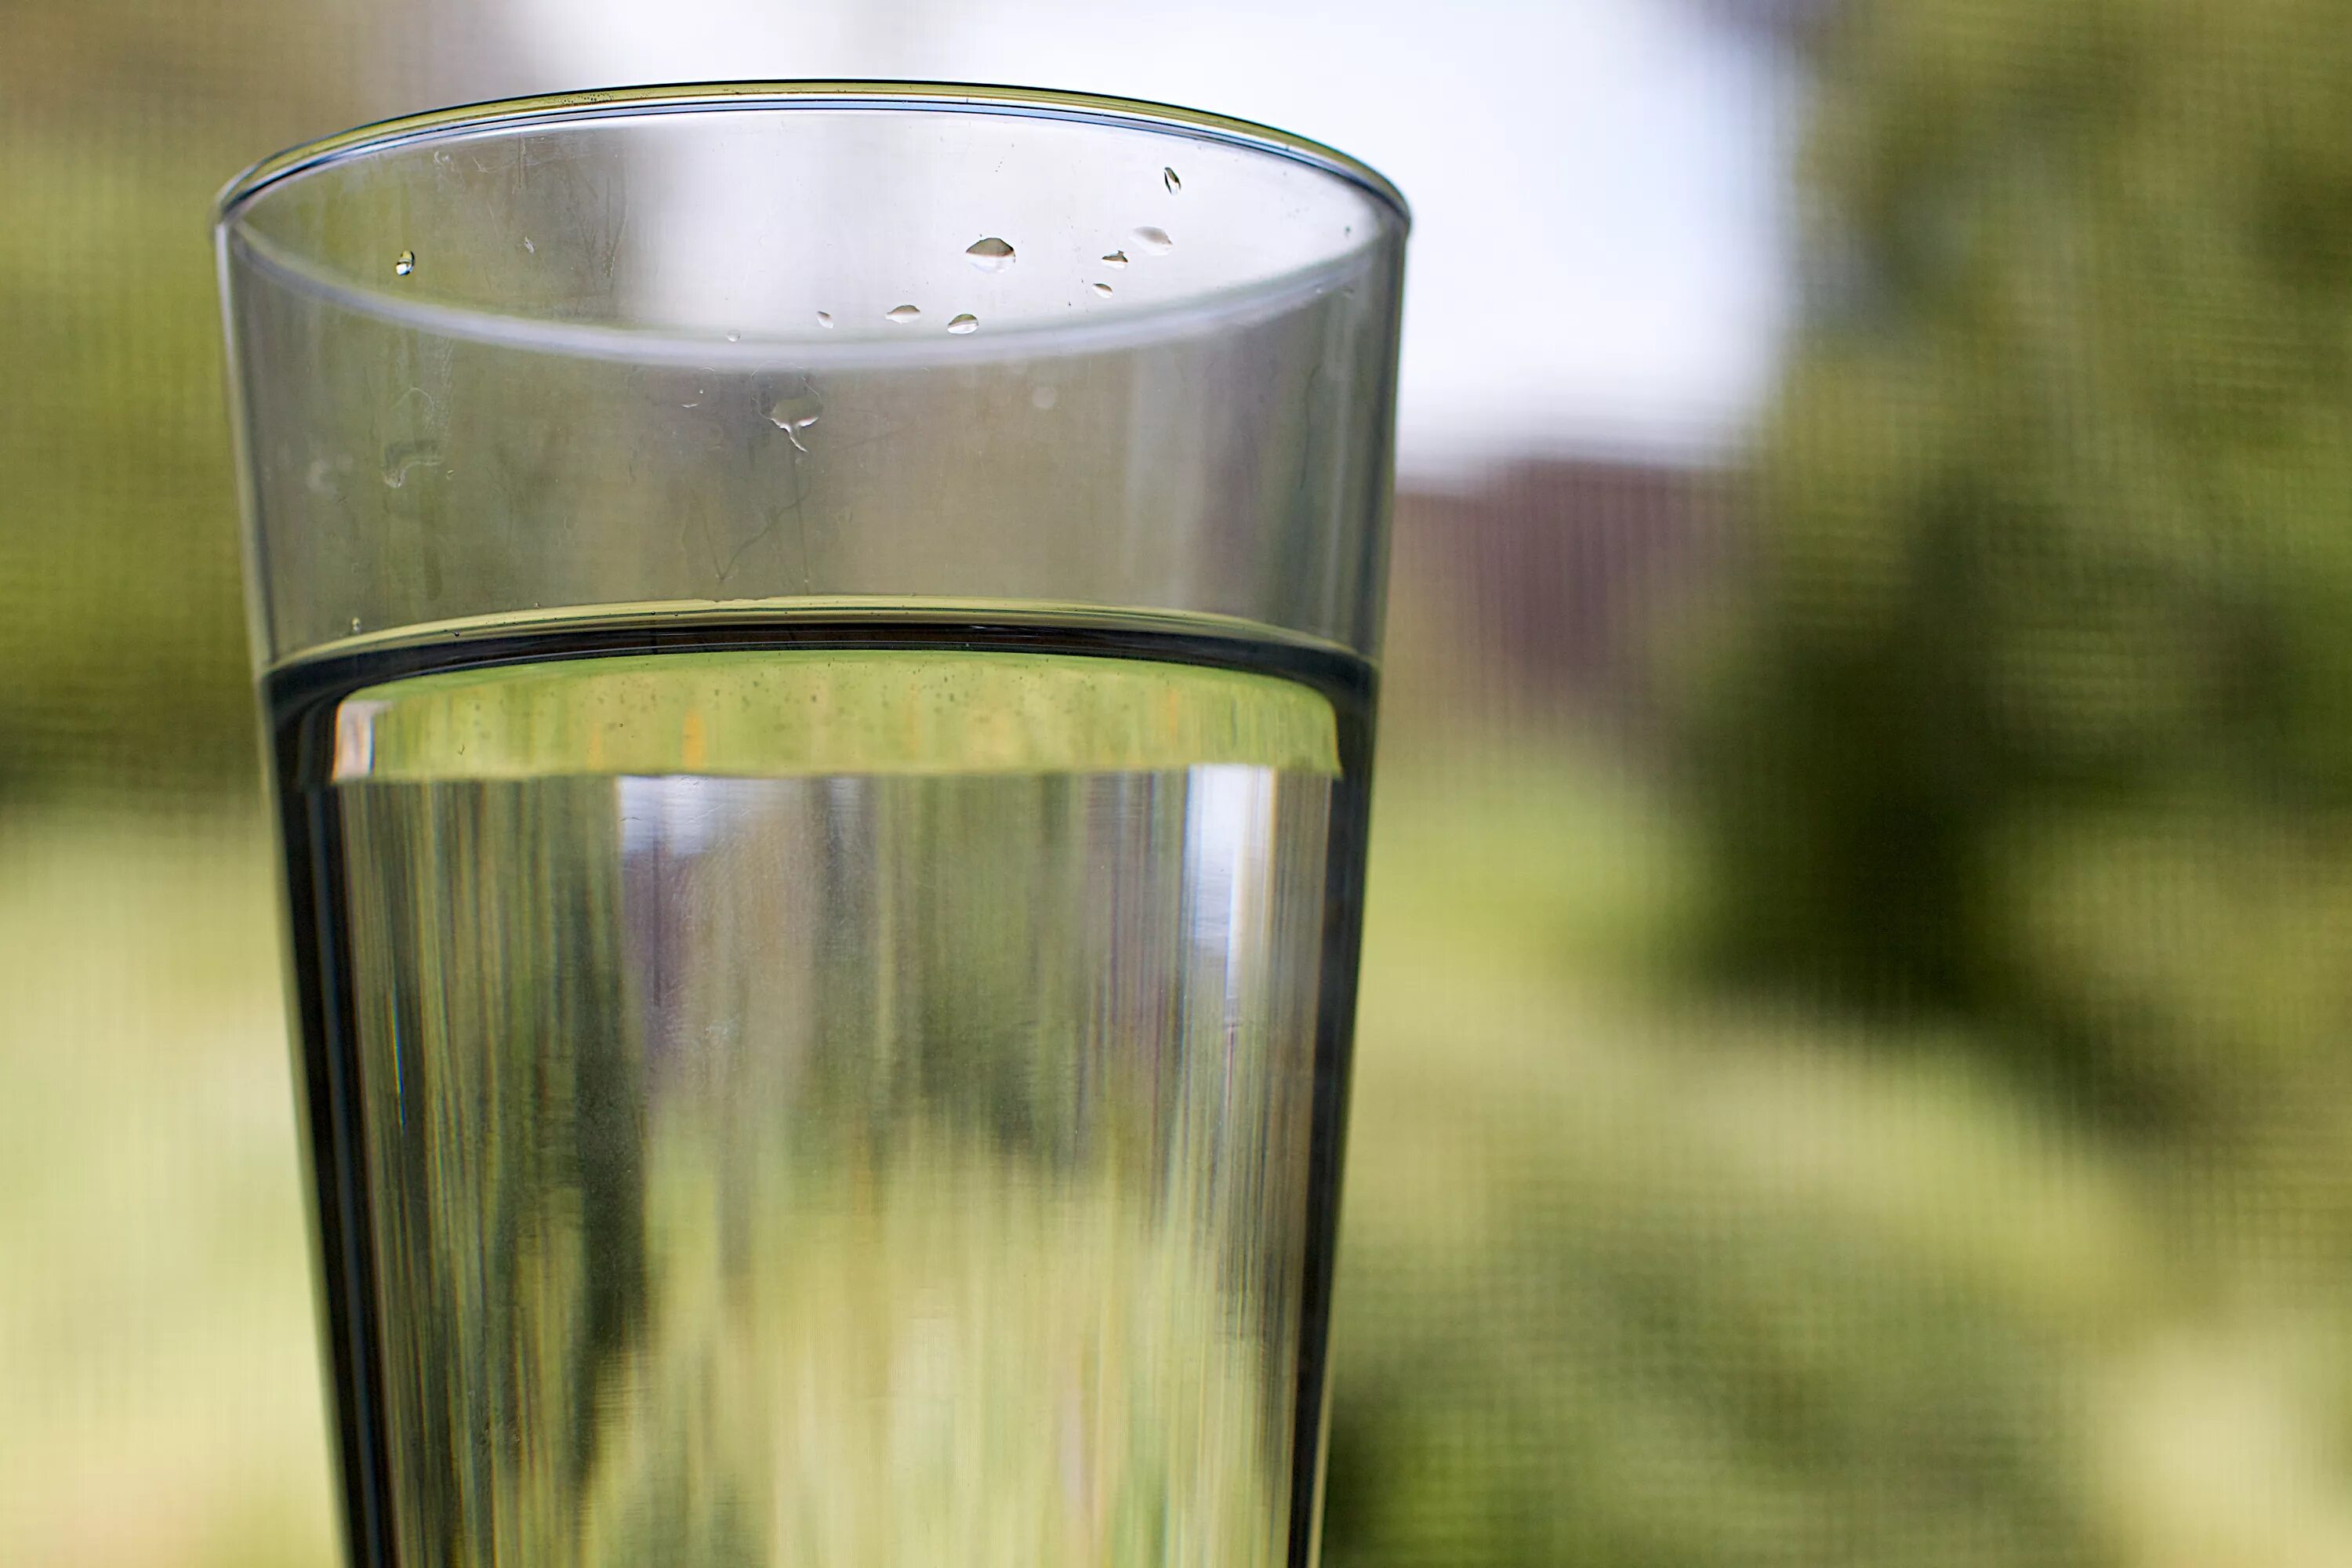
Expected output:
{"points": [[1856, 1058]]}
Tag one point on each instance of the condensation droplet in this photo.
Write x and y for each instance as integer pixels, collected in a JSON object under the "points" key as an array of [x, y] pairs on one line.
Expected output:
{"points": [[1103, 290], [902, 314], [1115, 261], [963, 324], [734, 336], [825, 318], [402, 456], [355, 623], [404, 264], [1154, 240], [1042, 397], [991, 255], [795, 413], [528, 245], [1168, 178]]}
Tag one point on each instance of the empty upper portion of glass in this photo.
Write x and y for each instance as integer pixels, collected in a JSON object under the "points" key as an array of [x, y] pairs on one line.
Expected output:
{"points": [[745, 347]]}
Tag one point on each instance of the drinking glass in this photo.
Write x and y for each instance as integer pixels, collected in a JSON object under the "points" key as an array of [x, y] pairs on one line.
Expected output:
{"points": [[818, 644]]}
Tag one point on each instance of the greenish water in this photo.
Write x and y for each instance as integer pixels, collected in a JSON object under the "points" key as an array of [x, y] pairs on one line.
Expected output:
{"points": [[835, 1105]]}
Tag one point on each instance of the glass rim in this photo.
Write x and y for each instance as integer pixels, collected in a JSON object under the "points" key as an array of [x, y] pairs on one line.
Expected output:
{"points": [[571, 107]]}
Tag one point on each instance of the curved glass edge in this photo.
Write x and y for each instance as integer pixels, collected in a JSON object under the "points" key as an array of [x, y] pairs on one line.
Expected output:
{"points": [[875, 610], [649, 345], [955, 97]]}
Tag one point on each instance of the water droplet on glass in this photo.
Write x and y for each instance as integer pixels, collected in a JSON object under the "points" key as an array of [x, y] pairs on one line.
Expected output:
{"points": [[733, 336], [825, 318], [355, 623], [527, 245], [403, 456], [1103, 290], [991, 255], [1115, 261], [404, 264], [1042, 397], [1168, 178], [963, 324], [902, 314], [1154, 240], [795, 413]]}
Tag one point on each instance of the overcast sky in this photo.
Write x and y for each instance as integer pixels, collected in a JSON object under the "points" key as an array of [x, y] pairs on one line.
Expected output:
{"points": [[1598, 185]]}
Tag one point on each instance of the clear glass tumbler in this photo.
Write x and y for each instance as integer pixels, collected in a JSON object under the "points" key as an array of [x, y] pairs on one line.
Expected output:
{"points": [[818, 645]]}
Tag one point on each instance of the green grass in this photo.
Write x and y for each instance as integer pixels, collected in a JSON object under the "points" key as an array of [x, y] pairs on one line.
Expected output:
{"points": [[1631, 1278], [159, 1388]]}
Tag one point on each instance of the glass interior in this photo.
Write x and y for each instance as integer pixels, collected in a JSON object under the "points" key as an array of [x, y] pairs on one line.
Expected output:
{"points": [[738, 346]]}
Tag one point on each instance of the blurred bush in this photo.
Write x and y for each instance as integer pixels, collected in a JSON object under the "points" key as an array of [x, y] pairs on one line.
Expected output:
{"points": [[120, 631], [1628, 1281], [2043, 708], [1992, 1200]]}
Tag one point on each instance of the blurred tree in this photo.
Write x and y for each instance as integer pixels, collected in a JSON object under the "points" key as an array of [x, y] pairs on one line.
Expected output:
{"points": [[119, 626], [2054, 620]]}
